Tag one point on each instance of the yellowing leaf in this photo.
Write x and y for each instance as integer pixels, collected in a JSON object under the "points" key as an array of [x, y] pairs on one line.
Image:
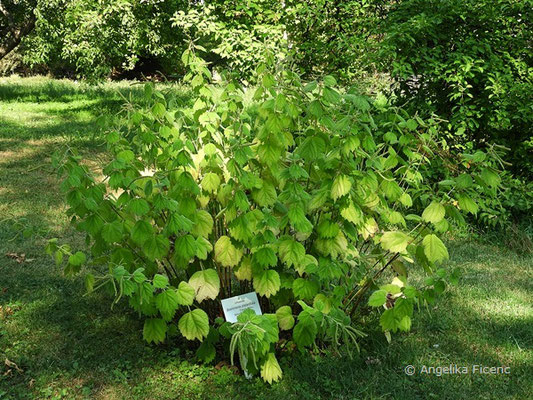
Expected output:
{"points": [[244, 271], [203, 224], [434, 249], [352, 214], [395, 242], [341, 186], [206, 284], [226, 253], [270, 370], [285, 318], [211, 182], [267, 283], [434, 212], [291, 252], [194, 325], [185, 294]]}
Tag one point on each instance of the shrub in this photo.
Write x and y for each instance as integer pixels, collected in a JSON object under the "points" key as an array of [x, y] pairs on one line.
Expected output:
{"points": [[303, 193]]}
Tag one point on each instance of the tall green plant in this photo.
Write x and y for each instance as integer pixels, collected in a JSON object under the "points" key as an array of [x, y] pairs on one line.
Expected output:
{"points": [[300, 192]]}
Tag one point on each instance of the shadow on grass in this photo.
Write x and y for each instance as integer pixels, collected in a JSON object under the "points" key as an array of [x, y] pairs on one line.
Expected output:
{"points": [[66, 336]]}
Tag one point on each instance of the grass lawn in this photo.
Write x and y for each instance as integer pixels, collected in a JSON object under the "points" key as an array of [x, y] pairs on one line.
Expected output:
{"points": [[56, 343]]}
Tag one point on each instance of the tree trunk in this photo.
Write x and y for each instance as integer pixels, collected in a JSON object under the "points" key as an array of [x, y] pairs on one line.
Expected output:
{"points": [[13, 35]]}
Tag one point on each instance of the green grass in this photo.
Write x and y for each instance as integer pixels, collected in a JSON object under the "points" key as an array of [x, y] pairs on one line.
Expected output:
{"points": [[67, 345]]}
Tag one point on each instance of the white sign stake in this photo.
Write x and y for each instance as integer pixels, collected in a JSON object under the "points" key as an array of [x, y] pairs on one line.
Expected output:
{"points": [[233, 306]]}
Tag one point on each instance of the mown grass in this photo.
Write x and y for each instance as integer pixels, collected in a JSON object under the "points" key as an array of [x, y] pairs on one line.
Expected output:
{"points": [[57, 343]]}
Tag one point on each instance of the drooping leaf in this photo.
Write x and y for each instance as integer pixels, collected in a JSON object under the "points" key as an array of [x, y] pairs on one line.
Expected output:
{"points": [[267, 283], [266, 195], [167, 303], [156, 247], [341, 186], [270, 370], [154, 330], [160, 281], [291, 252], [206, 284], [203, 224], [194, 325], [185, 294], [378, 298], [210, 182], [226, 253], [305, 331], [434, 212], [434, 249], [285, 318], [112, 232], [395, 242], [304, 288]]}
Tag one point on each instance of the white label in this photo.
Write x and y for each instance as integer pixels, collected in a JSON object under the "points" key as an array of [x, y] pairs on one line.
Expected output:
{"points": [[235, 305]]}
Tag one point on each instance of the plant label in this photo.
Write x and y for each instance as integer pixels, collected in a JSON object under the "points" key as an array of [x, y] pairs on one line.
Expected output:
{"points": [[233, 306]]}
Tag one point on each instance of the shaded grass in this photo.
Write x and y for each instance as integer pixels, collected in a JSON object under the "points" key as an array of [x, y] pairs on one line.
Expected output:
{"points": [[72, 346]]}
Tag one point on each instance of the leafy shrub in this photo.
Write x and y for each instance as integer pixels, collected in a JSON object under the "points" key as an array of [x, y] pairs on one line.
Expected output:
{"points": [[303, 193]]}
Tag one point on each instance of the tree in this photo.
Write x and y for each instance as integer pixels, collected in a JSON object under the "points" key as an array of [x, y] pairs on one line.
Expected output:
{"points": [[17, 20]]}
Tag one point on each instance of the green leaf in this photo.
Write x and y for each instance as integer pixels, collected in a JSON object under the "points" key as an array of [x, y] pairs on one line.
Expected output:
{"points": [[126, 155], [154, 330], [266, 195], [285, 318], [305, 331], [434, 212], [341, 186], [156, 247], [167, 303], [467, 204], [77, 259], [312, 148], [185, 247], [211, 182], [406, 200], [304, 289], [203, 224], [142, 231], [89, 282], [178, 222], [267, 283], [138, 206], [434, 249], [389, 320], [395, 242], [265, 257], [291, 252], [329, 81], [378, 298], [112, 232], [203, 248], [490, 177], [185, 293], [270, 370], [194, 325], [226, 253], [160, 281], [206, 284]]}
